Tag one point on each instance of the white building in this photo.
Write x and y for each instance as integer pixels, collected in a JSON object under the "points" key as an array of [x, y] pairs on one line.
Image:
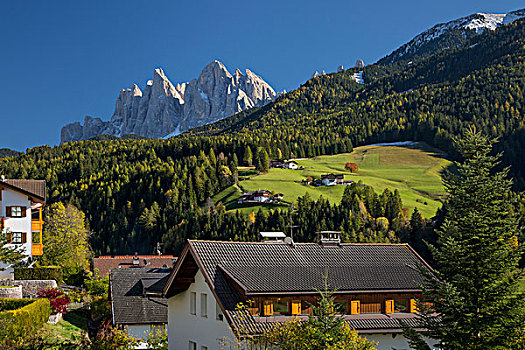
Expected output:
{"points": [[21, 203], [291, 165], [279, 282]]}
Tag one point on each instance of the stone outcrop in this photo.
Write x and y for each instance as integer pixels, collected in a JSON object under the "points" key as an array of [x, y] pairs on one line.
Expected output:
{"points": [[164, 109]]}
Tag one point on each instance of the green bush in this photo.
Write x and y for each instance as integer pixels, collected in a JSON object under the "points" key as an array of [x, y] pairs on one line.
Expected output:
{"points": [[13, 304], [19, 324], [39, 273]]}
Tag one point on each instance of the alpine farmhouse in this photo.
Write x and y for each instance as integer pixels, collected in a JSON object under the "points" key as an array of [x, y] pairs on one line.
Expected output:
{"points": [[376, 287]]}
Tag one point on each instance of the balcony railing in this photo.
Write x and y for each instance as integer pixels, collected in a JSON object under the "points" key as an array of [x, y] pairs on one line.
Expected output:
{"points": [[37, 249], [36, 225]]}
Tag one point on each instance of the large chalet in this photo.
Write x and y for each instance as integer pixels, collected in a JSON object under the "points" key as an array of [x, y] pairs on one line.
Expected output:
{"points": [[376, 285]]}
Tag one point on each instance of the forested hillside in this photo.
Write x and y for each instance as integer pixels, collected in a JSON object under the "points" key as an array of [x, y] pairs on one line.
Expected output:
{"points": [[432, 100], [135, 192]]}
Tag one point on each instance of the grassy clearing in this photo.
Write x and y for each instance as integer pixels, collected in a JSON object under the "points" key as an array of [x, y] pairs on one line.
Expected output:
{"points": [[71, 328], [414, 171]]}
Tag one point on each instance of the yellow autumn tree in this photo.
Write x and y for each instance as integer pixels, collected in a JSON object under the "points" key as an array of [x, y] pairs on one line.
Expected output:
{"points": [[65, 237]]}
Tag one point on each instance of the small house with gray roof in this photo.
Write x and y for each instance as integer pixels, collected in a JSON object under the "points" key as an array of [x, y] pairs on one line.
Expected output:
{"points": [[376, 286], [136, 298]]}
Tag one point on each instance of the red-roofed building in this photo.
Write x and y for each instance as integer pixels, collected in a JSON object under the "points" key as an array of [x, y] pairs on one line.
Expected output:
{"points": [[106, 262]]}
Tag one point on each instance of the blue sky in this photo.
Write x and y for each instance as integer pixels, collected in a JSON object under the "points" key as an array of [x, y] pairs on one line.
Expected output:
{"points": [[62, 60]]}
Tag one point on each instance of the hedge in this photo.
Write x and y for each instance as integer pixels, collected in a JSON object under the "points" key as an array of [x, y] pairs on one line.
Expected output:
{"points": [[12, 304], [39, 273], [19, 324]]}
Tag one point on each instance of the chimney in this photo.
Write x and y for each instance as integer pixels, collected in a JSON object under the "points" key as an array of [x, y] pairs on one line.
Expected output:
{"points": [[136, 260], [329, 238]]}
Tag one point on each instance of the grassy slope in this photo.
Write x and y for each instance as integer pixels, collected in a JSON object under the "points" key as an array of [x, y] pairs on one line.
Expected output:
{"points": [[414, 172]]}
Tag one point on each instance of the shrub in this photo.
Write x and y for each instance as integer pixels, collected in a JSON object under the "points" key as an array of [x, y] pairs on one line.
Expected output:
{"points": [[19, 324], [110, 338], [39, 273], [100, 307], [58, 300], [97, 286], [13, 304]]}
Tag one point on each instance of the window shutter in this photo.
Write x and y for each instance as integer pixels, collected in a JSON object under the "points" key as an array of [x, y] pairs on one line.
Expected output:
{"points": [[389, 306], [355, 307], [24, 237], [296, 307], [268, 308], [8, 211], [413, 306], [23, 212]]}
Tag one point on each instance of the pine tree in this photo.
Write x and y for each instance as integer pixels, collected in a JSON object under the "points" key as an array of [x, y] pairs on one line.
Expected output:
{"points": [[474, 289], [248, 156], [263, 161]]}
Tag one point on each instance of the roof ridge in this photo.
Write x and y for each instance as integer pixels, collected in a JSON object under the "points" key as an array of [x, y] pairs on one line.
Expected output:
{"points": [[296, 243]]}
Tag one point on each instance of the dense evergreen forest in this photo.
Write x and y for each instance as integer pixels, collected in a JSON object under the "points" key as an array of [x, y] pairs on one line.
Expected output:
{"points": [[137, 192]]}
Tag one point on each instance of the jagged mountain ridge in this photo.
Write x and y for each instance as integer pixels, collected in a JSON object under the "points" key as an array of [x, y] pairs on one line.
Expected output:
{"points": [[163, 109], [450, 34]]}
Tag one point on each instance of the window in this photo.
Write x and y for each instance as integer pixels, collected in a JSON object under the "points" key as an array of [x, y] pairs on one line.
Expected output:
{"points": [[15, 212], [218, 312], [400, 305], [18, 237], [193, 345], [280, 307], [193, 303], [204, 347], [204, 305]]}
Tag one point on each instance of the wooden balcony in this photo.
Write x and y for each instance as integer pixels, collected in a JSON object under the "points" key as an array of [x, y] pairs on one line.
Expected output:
{"points": [[37, 249], [36, 225]]}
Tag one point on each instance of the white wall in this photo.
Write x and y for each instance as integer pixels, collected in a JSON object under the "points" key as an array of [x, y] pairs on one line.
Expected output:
{"points": [[392, 341], [183, 327], [13, 198]]}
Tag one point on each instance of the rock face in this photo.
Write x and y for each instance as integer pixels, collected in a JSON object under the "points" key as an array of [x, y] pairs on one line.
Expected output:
{"points": [[359, 64], [451, 34], [164, 109]]}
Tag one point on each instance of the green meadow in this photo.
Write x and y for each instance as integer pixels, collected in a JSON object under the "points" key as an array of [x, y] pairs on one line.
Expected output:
{"points": [[413, 170]]}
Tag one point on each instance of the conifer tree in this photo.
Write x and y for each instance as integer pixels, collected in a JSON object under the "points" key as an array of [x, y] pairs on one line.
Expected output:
{"points": [[248, 156], [474, 289]]}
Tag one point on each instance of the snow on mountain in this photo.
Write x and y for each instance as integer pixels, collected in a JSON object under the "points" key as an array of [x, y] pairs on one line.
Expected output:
{"points": [[453, 33]]}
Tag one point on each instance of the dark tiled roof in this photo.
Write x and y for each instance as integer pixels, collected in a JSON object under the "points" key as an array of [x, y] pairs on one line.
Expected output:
{"points": [[105, 263], [261, 268], [34, 187], [274, 267], [130, 306]]}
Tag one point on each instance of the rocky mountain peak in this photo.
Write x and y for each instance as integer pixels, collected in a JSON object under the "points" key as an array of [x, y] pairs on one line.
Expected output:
{"points": [[163, 109]]}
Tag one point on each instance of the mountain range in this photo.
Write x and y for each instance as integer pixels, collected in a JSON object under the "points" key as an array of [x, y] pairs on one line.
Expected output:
{"points": [[163, 109]]}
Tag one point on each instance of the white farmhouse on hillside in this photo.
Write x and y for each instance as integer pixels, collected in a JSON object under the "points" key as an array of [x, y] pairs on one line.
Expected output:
{"points": [[21, 203], [279, 282]]}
